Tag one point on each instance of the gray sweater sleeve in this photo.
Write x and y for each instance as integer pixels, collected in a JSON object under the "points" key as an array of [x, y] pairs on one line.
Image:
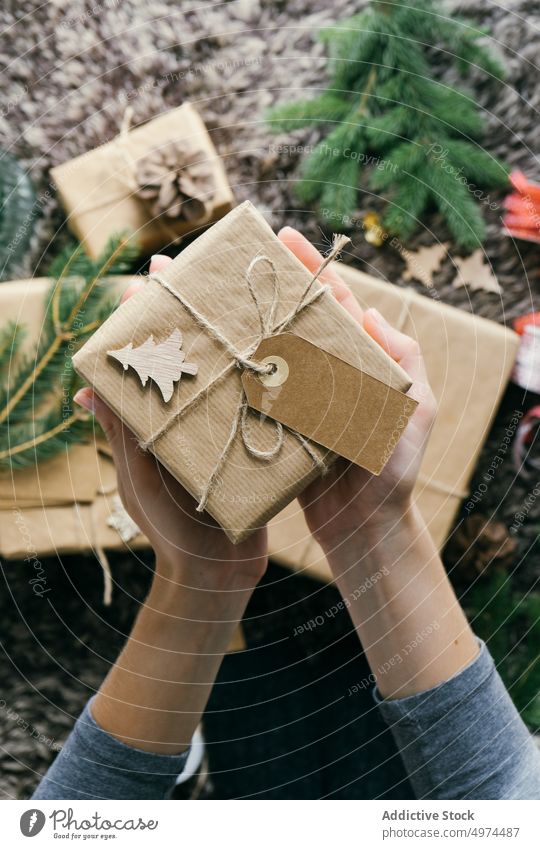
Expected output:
{"points": [[461, 740], [464, 739], [95, 765]]}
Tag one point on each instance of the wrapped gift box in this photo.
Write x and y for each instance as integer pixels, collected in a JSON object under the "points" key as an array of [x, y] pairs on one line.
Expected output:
{"points": [[63, 505], [233, 290], [469, 361], [137, 182]]}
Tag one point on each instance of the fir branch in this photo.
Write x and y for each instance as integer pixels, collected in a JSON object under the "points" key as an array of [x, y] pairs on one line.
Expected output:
{"points": [[36, 412], [11, 337], [380, 68], [298, 115]]}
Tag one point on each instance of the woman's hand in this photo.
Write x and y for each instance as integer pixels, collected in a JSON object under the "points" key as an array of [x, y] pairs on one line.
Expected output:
{"points": [[348, 497], [165, 512], [379, 550], [155, 694]]}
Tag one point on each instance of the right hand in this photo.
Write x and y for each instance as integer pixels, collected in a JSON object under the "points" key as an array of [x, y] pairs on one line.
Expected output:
{"points": [[349, 498]]}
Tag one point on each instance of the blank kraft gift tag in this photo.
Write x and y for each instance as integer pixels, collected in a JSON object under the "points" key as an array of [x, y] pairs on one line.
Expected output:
{"points": [[328, 400]]}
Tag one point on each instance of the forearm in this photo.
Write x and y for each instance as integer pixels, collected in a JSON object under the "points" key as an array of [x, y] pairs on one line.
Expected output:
{"points": [[130, 739], [413, 630], [155, 694]]}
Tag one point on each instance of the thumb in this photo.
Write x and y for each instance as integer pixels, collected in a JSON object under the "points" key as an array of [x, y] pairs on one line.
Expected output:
{"points": [[399, 346], [310, 256]]}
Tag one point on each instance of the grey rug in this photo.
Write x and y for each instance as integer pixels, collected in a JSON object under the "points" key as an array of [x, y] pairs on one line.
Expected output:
{"points": [[68, 72]]}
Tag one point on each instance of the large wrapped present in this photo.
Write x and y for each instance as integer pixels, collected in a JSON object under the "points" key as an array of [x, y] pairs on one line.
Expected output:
{"points": [[156, 182], [469, 361], [244, 376], [70, 503]]}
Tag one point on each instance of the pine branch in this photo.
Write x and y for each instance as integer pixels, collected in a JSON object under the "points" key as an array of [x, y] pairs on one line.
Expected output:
{"points": [[37, 417], [328, 107], [381, 79], [11, 337]]}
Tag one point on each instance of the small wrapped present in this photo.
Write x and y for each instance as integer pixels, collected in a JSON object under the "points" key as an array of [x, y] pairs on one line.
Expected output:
{"points": [[244, 376], [157, 182]]}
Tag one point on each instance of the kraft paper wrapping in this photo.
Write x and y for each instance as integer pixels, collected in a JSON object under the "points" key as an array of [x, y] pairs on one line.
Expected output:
{"points": [[469, 361], [61, 506], [211, 274], [97, 188]]}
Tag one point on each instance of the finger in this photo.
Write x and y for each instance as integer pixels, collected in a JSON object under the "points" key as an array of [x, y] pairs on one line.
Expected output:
{"points": [[159, 262], [124, 446], [399, 346], [131, 290], [310, 256]]}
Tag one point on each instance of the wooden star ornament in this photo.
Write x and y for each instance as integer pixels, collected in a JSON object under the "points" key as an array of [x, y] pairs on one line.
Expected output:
{"points": [[474, 273], [162, 362], [423, 263]]}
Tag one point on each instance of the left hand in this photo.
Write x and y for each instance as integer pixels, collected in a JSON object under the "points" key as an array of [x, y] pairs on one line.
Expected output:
{"points": [[166, 512]]}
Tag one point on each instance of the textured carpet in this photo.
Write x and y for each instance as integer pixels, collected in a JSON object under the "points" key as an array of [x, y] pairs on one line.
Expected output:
{"points": [[68, 72]]}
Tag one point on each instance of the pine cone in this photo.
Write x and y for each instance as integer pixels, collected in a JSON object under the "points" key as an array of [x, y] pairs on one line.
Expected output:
{"points": [[479, 543], [176, 181]]}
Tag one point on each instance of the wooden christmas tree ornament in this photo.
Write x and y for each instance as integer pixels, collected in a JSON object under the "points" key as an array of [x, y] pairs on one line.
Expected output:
{"points": [[163, 362]]}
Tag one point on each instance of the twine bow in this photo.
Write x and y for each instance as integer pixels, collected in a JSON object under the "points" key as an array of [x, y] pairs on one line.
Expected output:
{"points": [[243, 359]]}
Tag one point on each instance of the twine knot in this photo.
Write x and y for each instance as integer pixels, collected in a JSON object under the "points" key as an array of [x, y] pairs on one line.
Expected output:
{"points": [[244, 359]]}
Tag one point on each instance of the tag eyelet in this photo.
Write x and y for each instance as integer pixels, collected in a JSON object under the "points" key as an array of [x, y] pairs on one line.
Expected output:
{"points": [[280, 373]]}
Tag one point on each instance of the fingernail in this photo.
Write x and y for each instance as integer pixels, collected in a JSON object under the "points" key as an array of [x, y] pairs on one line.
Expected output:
{"points": [[85, 399], [154, 257]]}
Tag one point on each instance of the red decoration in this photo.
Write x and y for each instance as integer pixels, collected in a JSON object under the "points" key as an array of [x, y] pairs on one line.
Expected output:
{"points": [[522, 219]]}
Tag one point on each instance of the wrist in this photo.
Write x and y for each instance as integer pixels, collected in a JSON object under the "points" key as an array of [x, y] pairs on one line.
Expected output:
{"points": [[375, 545], [209, 592], [359, 531]]}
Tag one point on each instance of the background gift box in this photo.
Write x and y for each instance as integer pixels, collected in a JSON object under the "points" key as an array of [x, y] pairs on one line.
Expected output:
{"points": [[62, 505], [156, 182]]}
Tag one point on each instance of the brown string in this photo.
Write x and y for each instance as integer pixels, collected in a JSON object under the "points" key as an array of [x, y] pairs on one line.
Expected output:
{"points": [[243, 359]]}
